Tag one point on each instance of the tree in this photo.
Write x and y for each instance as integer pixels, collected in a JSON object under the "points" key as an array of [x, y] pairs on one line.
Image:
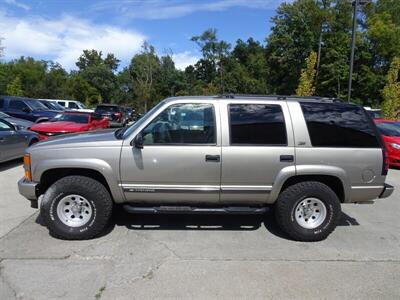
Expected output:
{"points": [[391, 91], [307, 78], [142, 69], [99, 72], [214, 51], [14, 88]]}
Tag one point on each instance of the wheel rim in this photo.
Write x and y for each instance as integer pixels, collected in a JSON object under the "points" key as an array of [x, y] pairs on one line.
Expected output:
{"points": [[74, 210], [310, 213]]}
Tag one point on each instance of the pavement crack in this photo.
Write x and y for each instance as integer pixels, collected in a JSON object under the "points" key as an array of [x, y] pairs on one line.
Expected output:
{"points": [[18, 226]]}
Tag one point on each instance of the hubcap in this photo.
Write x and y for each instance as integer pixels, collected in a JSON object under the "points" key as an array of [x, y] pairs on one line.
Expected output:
{"points": [[74, 210], [310, 213]]}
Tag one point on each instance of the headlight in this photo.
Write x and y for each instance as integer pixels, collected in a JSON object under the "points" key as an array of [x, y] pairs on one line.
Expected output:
{"points": [[395, 146]]}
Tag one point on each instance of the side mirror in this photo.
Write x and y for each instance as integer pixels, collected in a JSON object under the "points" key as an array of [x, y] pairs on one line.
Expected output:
{"points": [[138, 141]]}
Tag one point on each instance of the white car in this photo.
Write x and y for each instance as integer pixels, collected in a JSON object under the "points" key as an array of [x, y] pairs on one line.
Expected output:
{"points": [[71, 104]]}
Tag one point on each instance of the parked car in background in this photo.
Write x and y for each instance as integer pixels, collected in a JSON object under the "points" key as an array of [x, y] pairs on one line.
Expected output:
{"points": [[52, 105], [131, 114], [390, 131], [70, 122], [304, 156], [375, 113], [14, 141], [26, 108], [20, 124], [71, 105], [114, 113]]}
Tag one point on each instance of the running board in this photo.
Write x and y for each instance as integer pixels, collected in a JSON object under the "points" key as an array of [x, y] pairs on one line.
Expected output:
{"points": [[233, 210]]}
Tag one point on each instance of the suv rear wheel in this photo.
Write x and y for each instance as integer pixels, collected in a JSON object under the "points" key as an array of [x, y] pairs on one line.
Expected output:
{"points": [[76, 207], [308, 211]]}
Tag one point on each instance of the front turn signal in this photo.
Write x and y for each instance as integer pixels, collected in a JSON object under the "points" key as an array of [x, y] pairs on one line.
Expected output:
{"points": [[27, 167]]}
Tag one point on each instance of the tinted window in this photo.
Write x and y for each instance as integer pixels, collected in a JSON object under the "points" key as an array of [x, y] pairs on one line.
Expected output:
{"points": [[73, 105], [338, 125], [257, 124], [182, 124], [36, 104], [62, 103], [389, 128], [1, 102], [17, 105], [107, 108]]}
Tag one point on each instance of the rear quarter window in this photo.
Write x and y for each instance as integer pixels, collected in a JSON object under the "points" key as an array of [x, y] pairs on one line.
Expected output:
{"points": [[339, 125]]}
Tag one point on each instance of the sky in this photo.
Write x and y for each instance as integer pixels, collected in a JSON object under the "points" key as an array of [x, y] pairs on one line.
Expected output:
{"points": [[60, 30]]}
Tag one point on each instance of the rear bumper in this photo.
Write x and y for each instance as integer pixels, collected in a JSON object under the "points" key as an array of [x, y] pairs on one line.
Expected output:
{"points": [[27, 189], [387, 191]]}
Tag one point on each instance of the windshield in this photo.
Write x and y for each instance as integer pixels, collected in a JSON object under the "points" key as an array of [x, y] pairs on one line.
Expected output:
{"points": [[76, 118], [389, 128], [3, 115], [36, 105], [126, 131], [81, 105]]}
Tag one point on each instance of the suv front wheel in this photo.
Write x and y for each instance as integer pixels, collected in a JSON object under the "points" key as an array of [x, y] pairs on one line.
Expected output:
{"points": [[308, 211], [76, 208]]}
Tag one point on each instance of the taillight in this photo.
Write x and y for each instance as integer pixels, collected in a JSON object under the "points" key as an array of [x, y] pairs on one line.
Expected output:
{"points": [[385, 167], [27, 167], [118, 115]]}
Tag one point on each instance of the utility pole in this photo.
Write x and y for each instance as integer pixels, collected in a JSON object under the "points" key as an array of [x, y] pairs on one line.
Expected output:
{"points": [[355, 4]]}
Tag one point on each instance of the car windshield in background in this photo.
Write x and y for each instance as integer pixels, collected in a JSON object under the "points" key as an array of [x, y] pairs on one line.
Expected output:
{"points": [[76, 118], [81, 105], [3, 115], [389, 128], [106, 108], [36, 105]]}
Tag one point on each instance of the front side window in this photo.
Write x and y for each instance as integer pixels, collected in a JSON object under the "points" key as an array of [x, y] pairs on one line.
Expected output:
{"points": [[62, 103], [182, 124], [257, 124], [338, 125], [72, 105], [18, 105]]}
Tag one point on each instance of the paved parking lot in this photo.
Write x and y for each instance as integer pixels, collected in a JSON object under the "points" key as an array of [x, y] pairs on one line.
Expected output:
{"points": [[200, 257]]}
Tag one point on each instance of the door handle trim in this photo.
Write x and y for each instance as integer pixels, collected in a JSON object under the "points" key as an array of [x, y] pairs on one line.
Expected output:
{"points": [[213, 158], [286, 158]]}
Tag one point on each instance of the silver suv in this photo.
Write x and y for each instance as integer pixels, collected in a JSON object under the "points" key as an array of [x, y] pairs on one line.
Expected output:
{"points": [[303, 157]]}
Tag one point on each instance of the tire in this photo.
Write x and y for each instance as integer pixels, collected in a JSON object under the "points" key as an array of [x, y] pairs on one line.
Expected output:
{"points": [[299, 211], [92, 215]]}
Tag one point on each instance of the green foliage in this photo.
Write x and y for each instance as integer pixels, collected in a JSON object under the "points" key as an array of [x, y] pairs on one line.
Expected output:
{"points": [[391, 91], [306, 85], [245, 67], [14, 88]]}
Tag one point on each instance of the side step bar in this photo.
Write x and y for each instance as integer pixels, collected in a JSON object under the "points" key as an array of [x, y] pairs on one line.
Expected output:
{"points": [[234, 210]]}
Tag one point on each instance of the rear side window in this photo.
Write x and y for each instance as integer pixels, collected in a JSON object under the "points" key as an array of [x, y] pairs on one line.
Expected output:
{"points": [[73, 105], [1, 102], [339, 125], [257, 124], [62, 103]]}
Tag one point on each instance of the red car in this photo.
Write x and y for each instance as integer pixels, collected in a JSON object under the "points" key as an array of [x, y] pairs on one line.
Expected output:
{"points": [[69, 122], [390, 131]]}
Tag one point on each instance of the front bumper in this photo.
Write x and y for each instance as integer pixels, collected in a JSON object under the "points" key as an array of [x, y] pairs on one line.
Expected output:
{"points": [[387, 191], [27, 189]]}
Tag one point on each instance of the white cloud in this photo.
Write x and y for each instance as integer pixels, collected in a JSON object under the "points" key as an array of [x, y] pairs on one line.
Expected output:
{"points": [[64, 39], [18, 4], [166, 9], [184, 59]]}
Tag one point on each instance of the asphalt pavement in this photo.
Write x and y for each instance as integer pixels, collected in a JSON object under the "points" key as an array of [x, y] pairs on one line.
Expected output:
{"points": [[199, 257]]}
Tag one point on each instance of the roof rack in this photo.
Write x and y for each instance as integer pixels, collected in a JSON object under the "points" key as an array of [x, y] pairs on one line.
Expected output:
{"points": [[279, 97]]}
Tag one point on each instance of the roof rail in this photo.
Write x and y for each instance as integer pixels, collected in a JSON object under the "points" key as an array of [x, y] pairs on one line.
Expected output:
{"points": [[279, 97]]}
